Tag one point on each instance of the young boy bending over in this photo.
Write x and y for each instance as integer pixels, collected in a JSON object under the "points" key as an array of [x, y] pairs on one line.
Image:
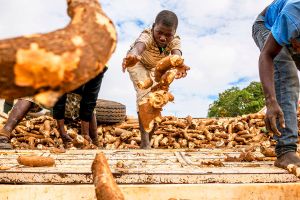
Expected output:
{"points": [[151, 46]]}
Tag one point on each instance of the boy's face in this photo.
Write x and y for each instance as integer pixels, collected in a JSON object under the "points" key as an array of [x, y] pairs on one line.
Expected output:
{"points": [[163, 35]]}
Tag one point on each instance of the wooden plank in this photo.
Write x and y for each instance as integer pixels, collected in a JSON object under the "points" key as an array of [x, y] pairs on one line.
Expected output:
{"points": [[89, 161], [154, 192], [140, 166], [44, 177], [145, 167]]}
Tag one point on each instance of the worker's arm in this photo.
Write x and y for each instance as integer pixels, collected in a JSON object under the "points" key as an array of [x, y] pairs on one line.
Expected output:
{"points": [[266, 73], [133, 56], [176, 52]]}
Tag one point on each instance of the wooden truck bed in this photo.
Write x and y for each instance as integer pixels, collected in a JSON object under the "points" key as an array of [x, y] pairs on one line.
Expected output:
{"points": [[146, 174]]}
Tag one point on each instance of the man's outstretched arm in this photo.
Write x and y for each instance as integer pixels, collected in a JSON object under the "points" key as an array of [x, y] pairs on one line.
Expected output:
{"points": [[266, 73]]}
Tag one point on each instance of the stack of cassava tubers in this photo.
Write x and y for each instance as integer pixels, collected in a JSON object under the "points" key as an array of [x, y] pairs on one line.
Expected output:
{"points": [[41, 133], [171, 133], [175, 133]]}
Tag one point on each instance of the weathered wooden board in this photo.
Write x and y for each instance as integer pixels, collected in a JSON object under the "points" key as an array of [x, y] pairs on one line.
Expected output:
{"points": [[260, 191], [141, 167]]}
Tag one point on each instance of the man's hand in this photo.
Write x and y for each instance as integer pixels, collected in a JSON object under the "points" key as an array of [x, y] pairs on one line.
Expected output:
{"points": [[129, 61], [182, 71], [274, 112]]}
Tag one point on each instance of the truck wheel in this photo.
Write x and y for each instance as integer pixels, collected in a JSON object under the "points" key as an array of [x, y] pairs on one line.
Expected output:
{"points": [[110, 111]]}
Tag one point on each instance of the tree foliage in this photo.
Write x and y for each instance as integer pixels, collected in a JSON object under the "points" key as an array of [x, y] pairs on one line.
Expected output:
{"points": [[235, 102]]}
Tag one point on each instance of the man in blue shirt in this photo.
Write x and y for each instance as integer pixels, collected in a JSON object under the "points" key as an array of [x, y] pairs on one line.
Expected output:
{"points": [[275, 31]]}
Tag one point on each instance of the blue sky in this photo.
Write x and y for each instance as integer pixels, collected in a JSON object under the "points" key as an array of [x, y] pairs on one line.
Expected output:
{"points": [[216, 43]]}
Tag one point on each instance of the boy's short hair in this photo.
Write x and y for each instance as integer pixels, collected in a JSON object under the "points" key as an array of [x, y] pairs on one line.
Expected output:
{"points": [[167, 18]]}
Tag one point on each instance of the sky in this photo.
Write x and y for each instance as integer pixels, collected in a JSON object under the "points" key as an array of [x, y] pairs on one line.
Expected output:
{"points": [[215, 34]]}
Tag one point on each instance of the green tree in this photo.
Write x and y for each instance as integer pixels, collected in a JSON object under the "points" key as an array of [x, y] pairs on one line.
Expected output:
{"points": [[235, 102]]}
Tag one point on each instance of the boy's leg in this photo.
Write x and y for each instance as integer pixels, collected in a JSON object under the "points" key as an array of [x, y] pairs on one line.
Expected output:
{"points": [[85, 127], [58, 112], [93, 130], [63, 133], [20, 109], [8, 104], [87, 105], [145, 137], [140, 73]]}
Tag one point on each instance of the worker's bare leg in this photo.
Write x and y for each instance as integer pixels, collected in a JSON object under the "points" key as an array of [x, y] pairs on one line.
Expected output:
{"points": [[63, 133], [85, 127], [93, 130], [16, 115], [145, 137]]}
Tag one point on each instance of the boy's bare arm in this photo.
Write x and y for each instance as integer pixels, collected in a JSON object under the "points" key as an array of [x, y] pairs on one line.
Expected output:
{"points": [[133, 56], [176, 52]]}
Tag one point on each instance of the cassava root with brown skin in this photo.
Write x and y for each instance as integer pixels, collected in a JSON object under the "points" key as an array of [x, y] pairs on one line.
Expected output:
{"points": [[36, 161], [150, 108], [73, 55], [177, 133], [193, 133], [41, 132], [233, 133], [105, 185]]}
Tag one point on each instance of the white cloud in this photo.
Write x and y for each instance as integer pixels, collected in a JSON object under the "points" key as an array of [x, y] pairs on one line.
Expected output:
{"points": [[216, 40]]}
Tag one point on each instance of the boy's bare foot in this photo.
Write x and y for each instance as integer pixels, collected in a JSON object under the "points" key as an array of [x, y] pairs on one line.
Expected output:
{"points": [[145, 146], [286, 159]]}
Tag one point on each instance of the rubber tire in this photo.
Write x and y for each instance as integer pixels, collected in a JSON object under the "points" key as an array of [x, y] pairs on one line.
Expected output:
{"points": [[110, 111]]}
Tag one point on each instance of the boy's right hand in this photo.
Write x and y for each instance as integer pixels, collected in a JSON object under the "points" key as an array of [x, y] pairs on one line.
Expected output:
{"points": [[129, 61]]}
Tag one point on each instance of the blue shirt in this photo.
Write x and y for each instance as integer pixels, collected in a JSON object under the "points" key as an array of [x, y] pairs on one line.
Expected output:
{"points": [[283, 19]]}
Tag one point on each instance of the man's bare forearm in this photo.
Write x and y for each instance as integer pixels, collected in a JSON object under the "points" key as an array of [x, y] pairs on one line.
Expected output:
{"points": [[266, 67], [266, 73]]}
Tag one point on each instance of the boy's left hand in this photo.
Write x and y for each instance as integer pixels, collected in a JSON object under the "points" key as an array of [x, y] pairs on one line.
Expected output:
{"points": [[182, 71], [129, 61]]}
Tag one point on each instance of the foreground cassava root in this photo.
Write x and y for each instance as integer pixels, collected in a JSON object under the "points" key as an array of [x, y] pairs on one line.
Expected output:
{"points": [[72, 55], [105, 185], [36, 161]]}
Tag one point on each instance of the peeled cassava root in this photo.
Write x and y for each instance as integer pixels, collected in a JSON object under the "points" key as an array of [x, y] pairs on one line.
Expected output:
{"points": [[105, 185], [150, 107], [42, 133], [36, 161], [294, 169], [72, 55], [145, 84], [165, 64]]}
